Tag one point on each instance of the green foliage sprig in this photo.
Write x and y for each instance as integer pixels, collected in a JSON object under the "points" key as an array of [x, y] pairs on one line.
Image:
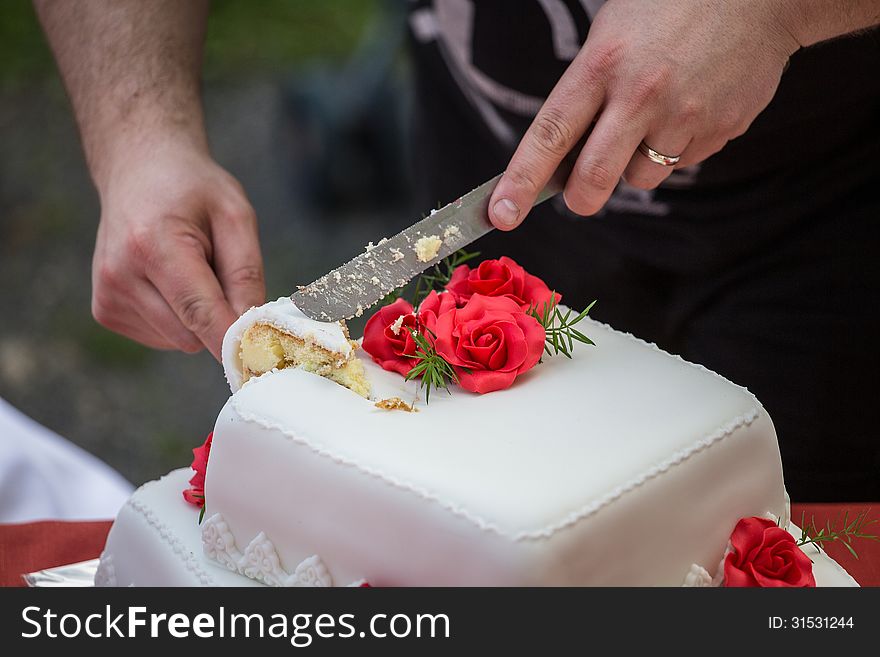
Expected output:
{"points": [[813, 535], [559, 329], [440, 274], [435, 371], [389, 298], [204, 506]]}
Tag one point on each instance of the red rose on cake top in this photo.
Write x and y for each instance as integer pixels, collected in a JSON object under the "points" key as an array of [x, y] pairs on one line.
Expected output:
{"points": [[434, 305], [501, 278], [763, 554], [482, 332], [489, 342], [387, 338]]}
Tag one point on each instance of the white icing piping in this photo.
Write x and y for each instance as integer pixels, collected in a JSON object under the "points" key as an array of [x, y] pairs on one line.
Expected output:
{"points": [[653, 346], [105, 575], [482, 523], [697, 577], [651, 473], [260, 560], [173, 542]]}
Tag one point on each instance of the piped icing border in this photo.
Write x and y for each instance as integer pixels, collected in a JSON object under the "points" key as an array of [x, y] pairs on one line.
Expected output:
{"points": [[260, 560], [105, 574], [170, 538]]}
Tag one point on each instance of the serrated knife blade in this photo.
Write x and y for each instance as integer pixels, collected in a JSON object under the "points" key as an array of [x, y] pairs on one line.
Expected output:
{"points": [[350, 289]]}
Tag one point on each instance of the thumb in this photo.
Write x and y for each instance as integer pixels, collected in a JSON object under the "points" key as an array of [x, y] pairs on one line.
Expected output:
{"points": [[237, 258]]}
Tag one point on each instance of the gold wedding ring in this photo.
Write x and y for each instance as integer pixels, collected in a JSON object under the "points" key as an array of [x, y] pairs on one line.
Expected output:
{"points": [[659, 158]]}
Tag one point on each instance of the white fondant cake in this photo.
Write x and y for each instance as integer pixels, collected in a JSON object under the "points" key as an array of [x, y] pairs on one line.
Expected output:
{"points": [[560, 479], [621, 466]]}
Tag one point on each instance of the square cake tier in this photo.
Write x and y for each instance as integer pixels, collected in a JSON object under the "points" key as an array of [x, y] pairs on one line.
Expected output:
{"points": [[623, 465]]}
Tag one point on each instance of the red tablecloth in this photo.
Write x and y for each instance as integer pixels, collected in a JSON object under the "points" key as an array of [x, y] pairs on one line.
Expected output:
{"points": [[35, 546], [25, 548]]}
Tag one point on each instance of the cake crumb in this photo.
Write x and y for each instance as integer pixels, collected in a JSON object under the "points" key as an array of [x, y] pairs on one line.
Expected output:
{"points": [[451, 232], [396, 254], [427, 247], [375, 280], [397, 325], [396, 404]]}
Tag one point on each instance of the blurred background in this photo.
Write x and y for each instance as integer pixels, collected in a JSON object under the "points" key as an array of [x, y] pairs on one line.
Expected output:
{"points": [[307, 106]]}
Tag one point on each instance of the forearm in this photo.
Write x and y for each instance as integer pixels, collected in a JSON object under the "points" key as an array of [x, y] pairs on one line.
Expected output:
{"points": [[132, 70], [812, 21]]}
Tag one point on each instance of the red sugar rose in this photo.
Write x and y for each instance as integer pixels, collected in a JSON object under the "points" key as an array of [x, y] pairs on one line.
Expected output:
{"points": [[489, 342], [196, 493], [765, 555], [431, 308], [500, 278], [389, 347]]}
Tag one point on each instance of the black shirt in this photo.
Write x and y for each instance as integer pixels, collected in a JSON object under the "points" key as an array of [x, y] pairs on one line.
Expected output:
{"points": [[759, 262]]}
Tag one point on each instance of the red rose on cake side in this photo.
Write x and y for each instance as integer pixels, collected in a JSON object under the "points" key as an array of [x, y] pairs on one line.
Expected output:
{"points": [[501, 278], [196, 493], [763, 554]]}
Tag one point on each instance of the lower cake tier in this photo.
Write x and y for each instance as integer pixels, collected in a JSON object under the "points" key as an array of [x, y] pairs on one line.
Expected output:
{"points": [[156, 541]]}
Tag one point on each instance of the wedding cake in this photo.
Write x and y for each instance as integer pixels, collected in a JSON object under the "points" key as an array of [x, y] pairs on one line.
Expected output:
{"points": [[547, 459]]}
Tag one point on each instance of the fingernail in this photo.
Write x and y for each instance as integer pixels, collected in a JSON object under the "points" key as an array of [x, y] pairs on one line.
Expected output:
{"points": [[506, 211]]}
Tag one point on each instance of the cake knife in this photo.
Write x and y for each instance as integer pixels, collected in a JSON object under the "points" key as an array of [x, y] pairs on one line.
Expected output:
{"points": [[350, 289]]}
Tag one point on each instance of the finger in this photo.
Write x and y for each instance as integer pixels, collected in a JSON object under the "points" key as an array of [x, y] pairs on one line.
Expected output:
{"points": [[144, 336], [643, 172], [237, 258], [557, 127], [603, 159], [130, 324], [162, 319], [189, 286]]}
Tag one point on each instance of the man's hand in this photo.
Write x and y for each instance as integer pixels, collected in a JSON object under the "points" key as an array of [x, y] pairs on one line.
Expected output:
{"points": [[177, 257], [684, 76]]}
